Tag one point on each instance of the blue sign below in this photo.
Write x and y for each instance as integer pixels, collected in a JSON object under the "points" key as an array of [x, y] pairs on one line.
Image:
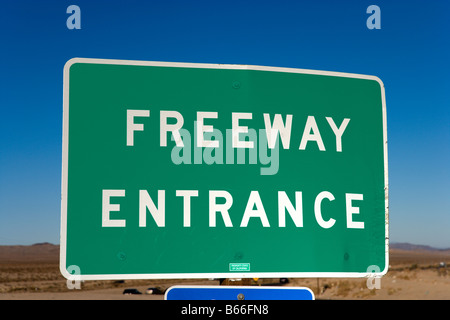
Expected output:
{"points": [[237, 293]]}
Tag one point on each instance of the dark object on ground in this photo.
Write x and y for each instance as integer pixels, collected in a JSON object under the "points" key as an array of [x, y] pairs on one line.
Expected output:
{"points": [[153, 290], [131, 291]]}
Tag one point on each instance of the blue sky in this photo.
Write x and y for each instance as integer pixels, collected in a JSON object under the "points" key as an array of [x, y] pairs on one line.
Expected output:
{"points": [[409, 53]]}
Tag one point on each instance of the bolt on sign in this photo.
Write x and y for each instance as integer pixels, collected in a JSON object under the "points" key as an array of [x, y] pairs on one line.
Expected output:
{"points": [[180, 170]]}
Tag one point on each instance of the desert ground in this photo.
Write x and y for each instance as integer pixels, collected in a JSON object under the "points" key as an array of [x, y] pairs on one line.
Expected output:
{"points": [[32, 273]]}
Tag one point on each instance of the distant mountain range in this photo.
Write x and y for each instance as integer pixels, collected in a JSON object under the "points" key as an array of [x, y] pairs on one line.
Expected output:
{"points": [[39, 252], [413, 247]]}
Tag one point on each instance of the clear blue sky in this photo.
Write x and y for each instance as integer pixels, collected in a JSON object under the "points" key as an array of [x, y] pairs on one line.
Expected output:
{"points": [[410, 53]]}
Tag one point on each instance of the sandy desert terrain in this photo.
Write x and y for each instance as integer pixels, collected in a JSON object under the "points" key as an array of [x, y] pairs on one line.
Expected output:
{"points": [[32, 272]]}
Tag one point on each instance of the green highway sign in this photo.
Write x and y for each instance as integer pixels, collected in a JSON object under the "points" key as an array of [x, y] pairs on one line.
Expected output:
{"points": [[180, 170]]}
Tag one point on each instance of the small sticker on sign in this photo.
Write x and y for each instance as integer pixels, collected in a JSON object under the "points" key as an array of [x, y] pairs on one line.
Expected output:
{"points": [[239, 266]]}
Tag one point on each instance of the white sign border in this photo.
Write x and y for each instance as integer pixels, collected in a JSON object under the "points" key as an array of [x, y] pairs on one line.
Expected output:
{"points": [[63, 234]]}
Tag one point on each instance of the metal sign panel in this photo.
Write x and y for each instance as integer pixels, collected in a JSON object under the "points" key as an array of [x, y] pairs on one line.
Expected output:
{"points": [[175, 170], [237, 293]]}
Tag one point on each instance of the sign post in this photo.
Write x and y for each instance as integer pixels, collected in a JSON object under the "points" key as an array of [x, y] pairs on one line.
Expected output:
{"points": [[176, 170]]}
